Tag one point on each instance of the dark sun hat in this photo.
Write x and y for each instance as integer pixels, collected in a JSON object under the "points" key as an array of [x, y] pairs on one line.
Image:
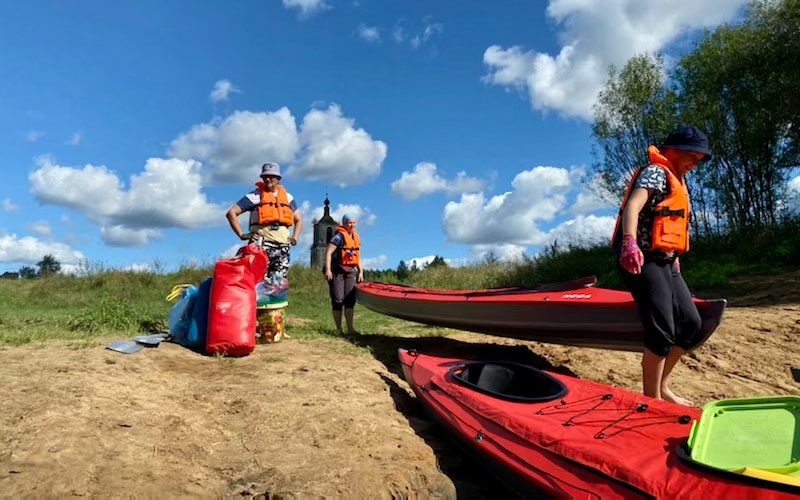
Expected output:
{"points": [[688, 139]]}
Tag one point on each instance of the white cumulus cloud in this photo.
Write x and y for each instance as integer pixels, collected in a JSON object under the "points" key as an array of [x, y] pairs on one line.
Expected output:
{"points": [[335, 151], [425, 179], [327, 147], [29, 250], [594, 35], [237, 146], [166, 194], [378, 262], [536, 196], [222, 89]]}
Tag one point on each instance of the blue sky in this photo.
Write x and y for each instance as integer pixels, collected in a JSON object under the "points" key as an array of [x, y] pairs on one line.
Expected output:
{"points": [[449, 128]]}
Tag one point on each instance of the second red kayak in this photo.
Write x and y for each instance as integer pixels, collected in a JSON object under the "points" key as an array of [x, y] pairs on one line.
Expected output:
{"points": [[548, 434], [571, 313]]}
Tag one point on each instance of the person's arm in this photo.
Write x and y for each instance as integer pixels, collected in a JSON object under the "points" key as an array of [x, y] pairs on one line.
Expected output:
{"points": [[298, 227], [630, 216], [328, 254], [631, 257], [360, 273], [233, 220]]}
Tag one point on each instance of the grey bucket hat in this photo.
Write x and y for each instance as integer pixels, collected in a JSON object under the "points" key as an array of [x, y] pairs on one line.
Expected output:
{"points": [[270, 168]]}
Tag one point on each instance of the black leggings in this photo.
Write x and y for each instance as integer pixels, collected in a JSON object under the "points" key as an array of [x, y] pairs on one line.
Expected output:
{"points": [[665, 305], [343, 291]]}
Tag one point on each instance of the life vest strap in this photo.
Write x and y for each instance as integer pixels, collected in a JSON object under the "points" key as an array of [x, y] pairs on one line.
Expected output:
{"points": [[668, 213]]}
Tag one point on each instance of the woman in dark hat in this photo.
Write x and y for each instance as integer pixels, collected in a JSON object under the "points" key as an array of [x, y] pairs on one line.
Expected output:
{"points": [[652, 232]]}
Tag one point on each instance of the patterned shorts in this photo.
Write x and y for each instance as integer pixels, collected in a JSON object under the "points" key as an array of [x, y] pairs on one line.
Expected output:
{"points": [[278, 260]]}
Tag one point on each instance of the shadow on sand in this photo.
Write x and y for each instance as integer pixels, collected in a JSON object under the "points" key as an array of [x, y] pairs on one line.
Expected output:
{"points": [[469, 479]]}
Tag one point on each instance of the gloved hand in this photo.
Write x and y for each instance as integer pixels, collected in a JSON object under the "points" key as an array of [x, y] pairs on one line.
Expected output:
{"points": [[246, 236], [631, 257]]}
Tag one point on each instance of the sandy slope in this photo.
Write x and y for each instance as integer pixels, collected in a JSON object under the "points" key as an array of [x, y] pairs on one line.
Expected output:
{"points": [[314, 418]]}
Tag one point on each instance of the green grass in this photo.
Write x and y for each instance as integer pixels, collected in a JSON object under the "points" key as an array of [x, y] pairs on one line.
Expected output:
{"points": [[113, 303]]}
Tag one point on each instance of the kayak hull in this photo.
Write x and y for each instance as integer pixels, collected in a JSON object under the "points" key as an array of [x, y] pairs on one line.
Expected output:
{"points": [[594, 442], [588, 317]]}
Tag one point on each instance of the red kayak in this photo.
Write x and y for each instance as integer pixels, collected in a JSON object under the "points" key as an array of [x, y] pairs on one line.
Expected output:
{"points": [[572, 313], [542, 433]]}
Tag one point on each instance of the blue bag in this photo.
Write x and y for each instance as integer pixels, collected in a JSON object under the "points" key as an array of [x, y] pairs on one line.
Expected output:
{"points": [[180, 315], [195, 337]]}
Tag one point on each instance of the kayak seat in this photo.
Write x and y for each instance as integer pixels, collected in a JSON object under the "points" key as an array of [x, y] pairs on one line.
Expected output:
{"points": [[508, 381]]}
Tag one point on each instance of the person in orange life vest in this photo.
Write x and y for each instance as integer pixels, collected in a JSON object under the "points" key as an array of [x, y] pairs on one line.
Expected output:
{"points": [[272, 211], [652, 232], [342, 260]]}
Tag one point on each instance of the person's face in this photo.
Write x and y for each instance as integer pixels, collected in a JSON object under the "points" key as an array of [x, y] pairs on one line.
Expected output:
{"points": [[271, 181], [350, 225], [683, 161]]}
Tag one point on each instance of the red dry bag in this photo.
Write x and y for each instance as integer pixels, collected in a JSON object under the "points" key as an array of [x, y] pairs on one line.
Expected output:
{"points": [[232, 309]]}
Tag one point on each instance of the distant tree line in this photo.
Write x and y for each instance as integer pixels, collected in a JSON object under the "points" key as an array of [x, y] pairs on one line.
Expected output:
{"points": [[739, 84], [48, 266]]}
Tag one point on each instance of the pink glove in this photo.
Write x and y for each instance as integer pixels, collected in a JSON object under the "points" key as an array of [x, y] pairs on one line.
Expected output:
{"points": [[631, 257]]}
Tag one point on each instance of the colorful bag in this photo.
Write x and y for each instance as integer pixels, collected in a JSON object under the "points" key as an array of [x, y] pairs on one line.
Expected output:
{"points": [[271, 325], [181, 313], [195, 337], [232, 308]]}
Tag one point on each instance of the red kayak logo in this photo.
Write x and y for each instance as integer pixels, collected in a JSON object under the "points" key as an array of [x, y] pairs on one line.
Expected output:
{"points": [[577, 296], [222, 306]]}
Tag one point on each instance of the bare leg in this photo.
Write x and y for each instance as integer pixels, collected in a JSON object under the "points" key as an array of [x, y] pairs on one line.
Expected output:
{"points": [[666, 394], [652, 373], [337, 319], [348, 315]]}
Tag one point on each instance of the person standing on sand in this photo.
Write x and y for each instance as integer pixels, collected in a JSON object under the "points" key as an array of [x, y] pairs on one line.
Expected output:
{"points": [[652, 231], [342, 260], [272, 211]]}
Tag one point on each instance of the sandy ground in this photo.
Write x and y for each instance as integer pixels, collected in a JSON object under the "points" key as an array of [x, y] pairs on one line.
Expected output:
{"points": [[313, 418]]}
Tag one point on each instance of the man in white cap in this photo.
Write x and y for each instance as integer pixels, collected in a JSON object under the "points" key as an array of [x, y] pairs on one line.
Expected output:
{"points": [[272, 211]]}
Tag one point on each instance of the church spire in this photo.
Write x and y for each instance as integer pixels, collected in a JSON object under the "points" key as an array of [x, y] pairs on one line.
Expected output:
{"points": [[327, 204]]}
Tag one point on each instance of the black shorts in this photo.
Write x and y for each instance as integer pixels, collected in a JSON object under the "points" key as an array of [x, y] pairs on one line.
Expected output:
{"points": [[343, 291], [668, 313]]}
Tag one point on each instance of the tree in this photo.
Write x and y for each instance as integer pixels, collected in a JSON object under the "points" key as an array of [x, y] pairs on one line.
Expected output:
{"points": [[633, 110], [491, 258], [436, 262], [402, 271], [9, 275], [740, 85], [27, 273], [48, 266]]}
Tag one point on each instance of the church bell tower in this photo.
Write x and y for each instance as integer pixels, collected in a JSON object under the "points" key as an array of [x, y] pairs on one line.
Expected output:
{"points": [[323, 231]]}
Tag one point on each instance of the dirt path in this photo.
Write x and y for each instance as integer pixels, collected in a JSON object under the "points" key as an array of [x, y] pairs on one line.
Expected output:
{"points": [[300, 419]]}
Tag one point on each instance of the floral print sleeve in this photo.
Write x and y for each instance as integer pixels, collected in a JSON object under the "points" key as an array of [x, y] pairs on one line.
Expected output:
{"points": [[652, 177]]}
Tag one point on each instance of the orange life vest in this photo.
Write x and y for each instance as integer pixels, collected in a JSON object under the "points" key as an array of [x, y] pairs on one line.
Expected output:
{"points": [[671, 221], [274, 207], [351, 250]]}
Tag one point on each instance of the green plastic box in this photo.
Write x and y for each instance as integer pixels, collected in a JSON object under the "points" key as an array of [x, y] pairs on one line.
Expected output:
{"points": [[762, 433]]}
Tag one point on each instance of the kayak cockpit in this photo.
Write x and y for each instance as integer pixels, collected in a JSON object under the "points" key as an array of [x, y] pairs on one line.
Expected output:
{"points": [[508, 381]]}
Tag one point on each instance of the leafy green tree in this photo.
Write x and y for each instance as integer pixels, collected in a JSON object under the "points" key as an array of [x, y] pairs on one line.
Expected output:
{"points": [[436, 262], [740, 85], [402, 271], [9, 275], [634, 110], [48, 266], [27, 273]]}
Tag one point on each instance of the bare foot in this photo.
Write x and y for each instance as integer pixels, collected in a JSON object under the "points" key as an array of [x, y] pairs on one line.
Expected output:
{"points": [[668, 395]]}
